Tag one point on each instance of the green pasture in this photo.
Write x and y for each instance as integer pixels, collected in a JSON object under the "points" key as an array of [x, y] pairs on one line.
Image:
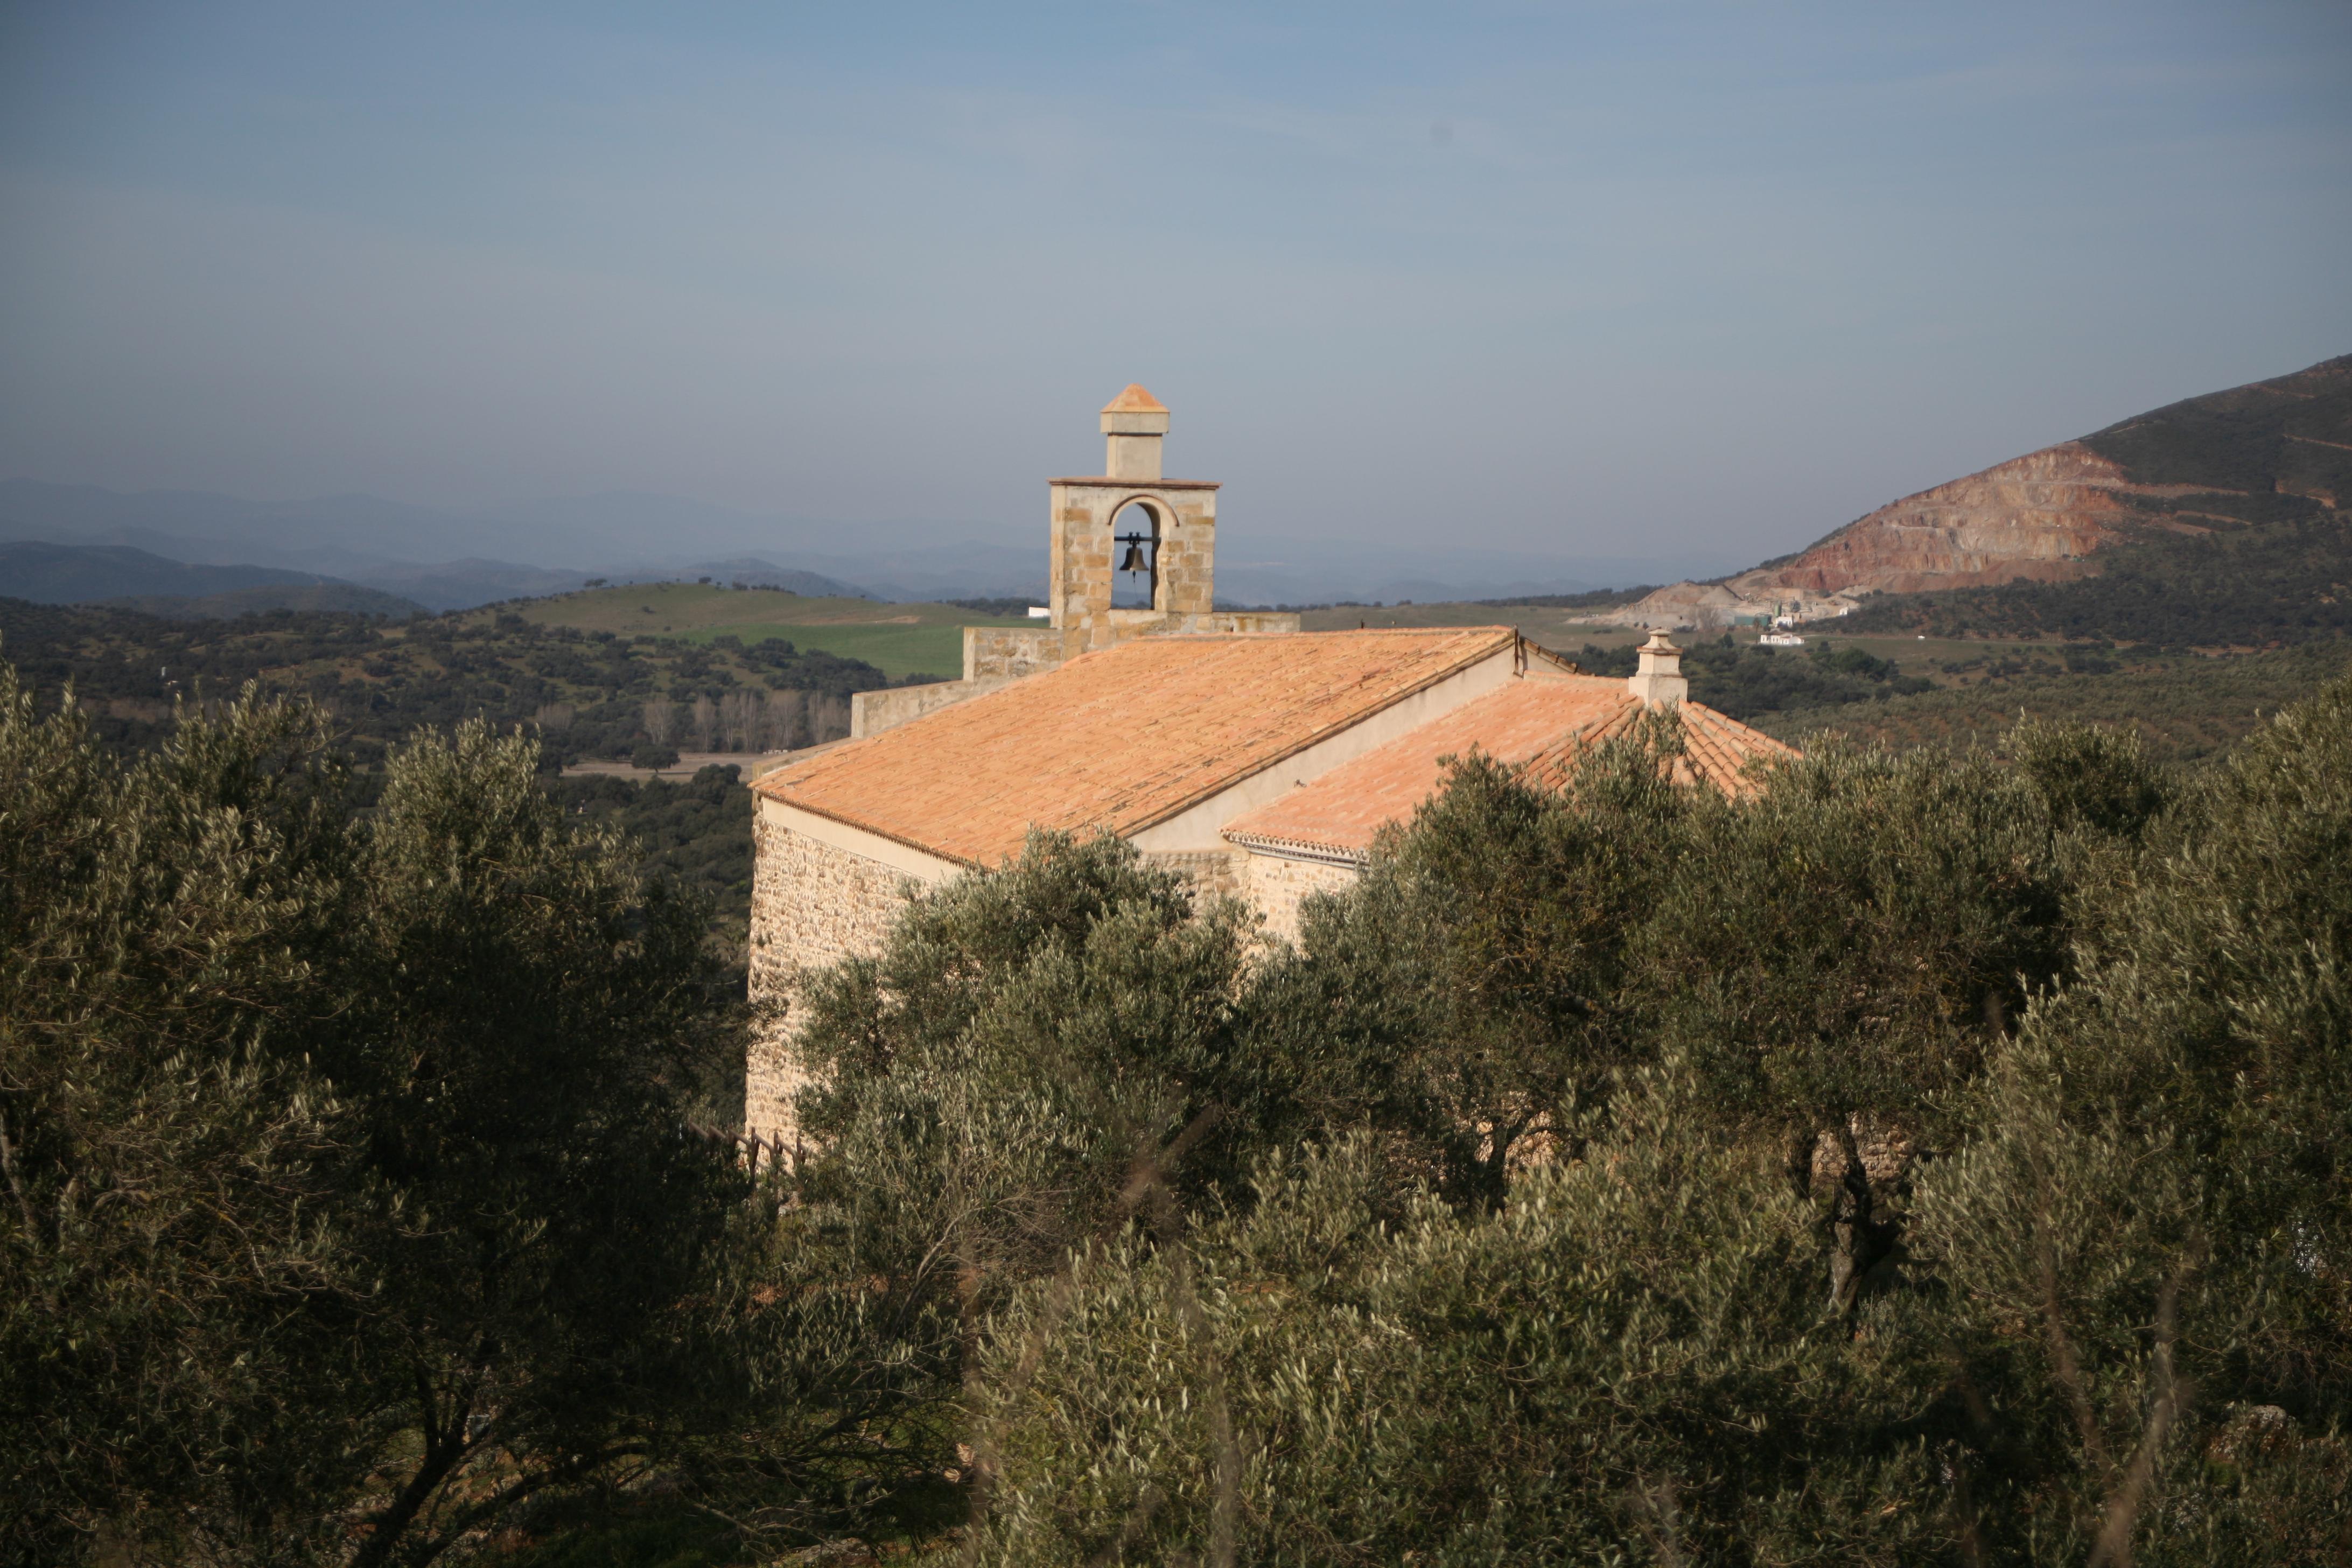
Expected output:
{"points": [[897, 651], [898, 639]]}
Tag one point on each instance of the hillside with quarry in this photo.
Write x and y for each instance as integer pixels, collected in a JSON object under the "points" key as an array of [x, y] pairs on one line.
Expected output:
{"points": [[2229, 502]]}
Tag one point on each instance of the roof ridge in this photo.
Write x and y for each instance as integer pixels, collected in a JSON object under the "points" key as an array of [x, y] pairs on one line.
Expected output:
{"points": [[1333, 632], [1353, 717], [1121, 738]]}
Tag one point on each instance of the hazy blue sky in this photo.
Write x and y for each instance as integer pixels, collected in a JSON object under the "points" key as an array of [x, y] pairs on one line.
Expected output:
{"points": [[1600, 278]]}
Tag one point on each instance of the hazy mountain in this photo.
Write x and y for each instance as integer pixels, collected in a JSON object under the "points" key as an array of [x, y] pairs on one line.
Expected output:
{"points": [[462, 584], [446, 560], [209, 529], [450, 559], [138, 579], [347, 599], [82, 575]]}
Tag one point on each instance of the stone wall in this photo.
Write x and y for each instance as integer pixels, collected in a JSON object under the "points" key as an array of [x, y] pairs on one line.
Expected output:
{"points": [[871, 712], [812, 905], [1239, 623], [1210, 871], [1012, 652], [1276, 885]]}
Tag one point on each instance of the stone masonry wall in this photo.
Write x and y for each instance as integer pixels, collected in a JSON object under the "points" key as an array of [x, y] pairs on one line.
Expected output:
{"points": [[1012, 652], [1210, 871], [1277, 887], [871, 712], [812, 905], [1083, 513]]}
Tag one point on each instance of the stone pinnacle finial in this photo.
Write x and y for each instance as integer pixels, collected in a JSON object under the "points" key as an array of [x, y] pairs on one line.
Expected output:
{"points": [[1134, 422], [1659, 680]]}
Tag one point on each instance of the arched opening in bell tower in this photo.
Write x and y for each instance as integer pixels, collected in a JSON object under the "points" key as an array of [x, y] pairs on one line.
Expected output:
{"points": [[1136, 535]]}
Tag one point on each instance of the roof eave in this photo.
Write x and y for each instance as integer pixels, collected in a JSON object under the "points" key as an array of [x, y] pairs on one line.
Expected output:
{"points": [[1299, 849], [843, 817]]}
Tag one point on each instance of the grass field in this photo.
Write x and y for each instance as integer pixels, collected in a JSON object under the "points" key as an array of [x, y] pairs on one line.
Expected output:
{"points": [[898, 639]]}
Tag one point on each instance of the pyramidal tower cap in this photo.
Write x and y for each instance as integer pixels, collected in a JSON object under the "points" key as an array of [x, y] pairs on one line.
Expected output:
{"points": [[1135, 400]]}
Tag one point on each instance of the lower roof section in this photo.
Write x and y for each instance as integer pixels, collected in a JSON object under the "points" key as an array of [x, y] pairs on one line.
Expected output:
{"points": [[1540, 725]]}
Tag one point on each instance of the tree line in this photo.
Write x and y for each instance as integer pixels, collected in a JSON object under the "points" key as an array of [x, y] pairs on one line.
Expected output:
{"points": [[588, 694], [1931, 1156]]}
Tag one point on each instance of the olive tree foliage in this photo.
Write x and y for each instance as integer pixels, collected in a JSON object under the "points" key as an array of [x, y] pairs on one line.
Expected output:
{"points": [[2095, 782], [174, 1261], [1030, 1057], [1489, 1223], [347, 1200], [517, 1050], [2111, 1327], [1840, 952], [2148, 1234], [1027, 1040], [1626, 1361], [1470, 989]]}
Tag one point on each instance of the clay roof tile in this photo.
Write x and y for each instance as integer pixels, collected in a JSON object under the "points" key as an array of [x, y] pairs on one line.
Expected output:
{"points": [[1135, 400], [1540, 725], [1120, 738]]}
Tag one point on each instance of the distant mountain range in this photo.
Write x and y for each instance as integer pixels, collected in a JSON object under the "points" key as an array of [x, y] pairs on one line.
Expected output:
{"points": [[2236, 497], [443, 560], [141, 580], [449, 560]]}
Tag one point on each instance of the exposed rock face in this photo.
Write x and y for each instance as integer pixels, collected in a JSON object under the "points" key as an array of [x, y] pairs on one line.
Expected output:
{"points": [[2037, 517], [2276, 452], [1717, 604]]}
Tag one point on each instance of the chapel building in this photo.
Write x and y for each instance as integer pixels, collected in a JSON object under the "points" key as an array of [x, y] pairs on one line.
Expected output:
{"points": [[1258, 759]]}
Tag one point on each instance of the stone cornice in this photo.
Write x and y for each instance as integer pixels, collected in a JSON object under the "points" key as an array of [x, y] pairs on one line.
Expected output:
{"points": [[1105, 482]]}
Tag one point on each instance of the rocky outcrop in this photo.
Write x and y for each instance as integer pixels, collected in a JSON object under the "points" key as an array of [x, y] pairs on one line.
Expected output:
{"points": [[2269, 452], [2038, 517], [1716, 604]]}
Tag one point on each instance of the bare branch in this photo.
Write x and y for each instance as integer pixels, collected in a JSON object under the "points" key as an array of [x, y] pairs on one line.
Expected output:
{"points": [[2114, 1549]]}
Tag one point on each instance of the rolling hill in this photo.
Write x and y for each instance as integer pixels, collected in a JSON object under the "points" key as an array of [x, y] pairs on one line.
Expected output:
{"points": [[2215, 522], [303, 598], [138, 579]]}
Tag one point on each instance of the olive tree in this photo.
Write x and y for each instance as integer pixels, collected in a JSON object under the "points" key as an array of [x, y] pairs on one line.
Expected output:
{"points": [[349, 1202]]}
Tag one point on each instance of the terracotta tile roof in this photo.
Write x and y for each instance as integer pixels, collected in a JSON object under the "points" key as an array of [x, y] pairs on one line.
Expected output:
{"points": [[1120, 738], [1538, 724], [1135, 400]]}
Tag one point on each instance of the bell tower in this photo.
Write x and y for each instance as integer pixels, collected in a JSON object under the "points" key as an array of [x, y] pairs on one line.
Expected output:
{"points": [[1168, 537], [1127, 527]]}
